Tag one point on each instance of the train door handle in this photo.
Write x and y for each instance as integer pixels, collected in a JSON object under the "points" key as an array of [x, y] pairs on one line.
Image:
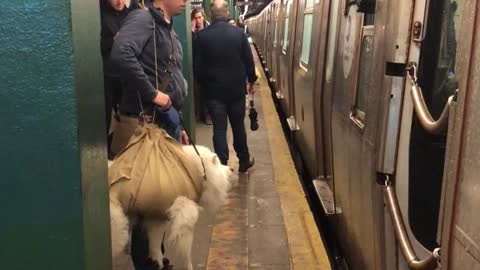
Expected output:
{"points": [[423, 113], [429, 263]]}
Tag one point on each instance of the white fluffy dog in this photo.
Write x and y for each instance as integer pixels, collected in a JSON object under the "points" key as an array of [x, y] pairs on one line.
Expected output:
{"points": [[181, 217]]}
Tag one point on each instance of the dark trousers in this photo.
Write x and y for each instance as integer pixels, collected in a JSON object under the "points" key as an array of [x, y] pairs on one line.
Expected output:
{"points": [[113, 91], [221, 112], [199, 102]]}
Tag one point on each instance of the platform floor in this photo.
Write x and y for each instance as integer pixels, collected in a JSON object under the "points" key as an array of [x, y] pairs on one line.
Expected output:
{"points": [[248, 233]]}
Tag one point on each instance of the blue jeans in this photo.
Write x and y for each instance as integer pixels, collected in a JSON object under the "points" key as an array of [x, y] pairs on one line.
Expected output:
{"points": [[174, 132], [221, 112]]}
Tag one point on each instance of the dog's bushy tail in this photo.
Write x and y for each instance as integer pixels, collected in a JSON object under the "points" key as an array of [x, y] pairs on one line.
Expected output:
{"points": [[183, 217], [120, 227]]}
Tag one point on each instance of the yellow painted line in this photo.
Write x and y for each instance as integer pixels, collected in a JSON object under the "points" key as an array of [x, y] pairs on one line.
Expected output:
{"points": [[257, 71], [306, 248]]}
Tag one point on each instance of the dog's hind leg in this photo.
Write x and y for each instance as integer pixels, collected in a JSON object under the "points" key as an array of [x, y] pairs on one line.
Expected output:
{"points": [[155, 230], [120, 233], [183, 217]]}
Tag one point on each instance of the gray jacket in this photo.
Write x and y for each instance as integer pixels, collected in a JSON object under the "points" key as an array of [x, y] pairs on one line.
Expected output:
{"points": [[133, 54]]}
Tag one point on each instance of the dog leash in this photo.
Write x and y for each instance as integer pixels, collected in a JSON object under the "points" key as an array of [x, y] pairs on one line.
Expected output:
{"points": [[192, 142]]}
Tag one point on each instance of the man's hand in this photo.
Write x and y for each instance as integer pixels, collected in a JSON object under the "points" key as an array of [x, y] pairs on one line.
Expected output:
{"points": [[251, 89], [185, 139], [162, 100], [194, 26]]}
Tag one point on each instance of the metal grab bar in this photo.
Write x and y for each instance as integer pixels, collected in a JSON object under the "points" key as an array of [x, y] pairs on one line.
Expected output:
{"points": [[429, 263], [423, 114]]}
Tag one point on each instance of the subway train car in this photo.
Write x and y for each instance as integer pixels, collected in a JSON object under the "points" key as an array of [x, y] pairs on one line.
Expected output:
{"points": [[381, 97]]}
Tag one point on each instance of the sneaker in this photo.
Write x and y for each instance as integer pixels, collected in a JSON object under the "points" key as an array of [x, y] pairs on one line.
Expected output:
{"points": [[243, 168]]}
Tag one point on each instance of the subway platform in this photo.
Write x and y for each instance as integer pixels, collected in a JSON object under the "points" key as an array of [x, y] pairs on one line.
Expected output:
{"points": [[266, 223]]}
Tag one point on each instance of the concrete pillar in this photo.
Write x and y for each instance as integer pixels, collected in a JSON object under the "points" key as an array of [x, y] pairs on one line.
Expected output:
{"points": [[54, 191], [183, 28]]}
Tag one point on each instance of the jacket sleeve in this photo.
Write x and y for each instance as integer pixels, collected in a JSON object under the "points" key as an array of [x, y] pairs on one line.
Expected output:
{"points": [[247, 57], [135, 32]]}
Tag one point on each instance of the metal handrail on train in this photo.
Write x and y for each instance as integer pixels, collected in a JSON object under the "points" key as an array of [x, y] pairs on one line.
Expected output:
{"points": [[423, 114], [429, 263]]}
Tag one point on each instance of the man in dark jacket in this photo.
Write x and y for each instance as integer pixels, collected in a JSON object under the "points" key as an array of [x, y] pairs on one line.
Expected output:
{"points": [[112, 14], [223, 63], [149, 56], [148, 84]]}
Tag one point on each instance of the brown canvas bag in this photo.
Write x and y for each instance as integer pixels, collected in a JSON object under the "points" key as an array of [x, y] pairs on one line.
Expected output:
{"points": [[152, 171]]}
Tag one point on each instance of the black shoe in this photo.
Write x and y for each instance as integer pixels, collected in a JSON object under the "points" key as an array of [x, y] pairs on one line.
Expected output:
{"points": [[166, 264], [243, 168]]}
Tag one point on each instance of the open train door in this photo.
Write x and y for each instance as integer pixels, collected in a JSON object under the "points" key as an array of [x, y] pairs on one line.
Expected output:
{"points": [[430, 202]]}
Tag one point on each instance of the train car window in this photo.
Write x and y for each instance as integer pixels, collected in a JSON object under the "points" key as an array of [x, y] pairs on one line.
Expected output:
{"points": [[265, 26], [309, 4], [366, 60], [307, 34], [364, 69], [276, 27], [286, 31], [427, 152], [332, 39], [307, 38]]}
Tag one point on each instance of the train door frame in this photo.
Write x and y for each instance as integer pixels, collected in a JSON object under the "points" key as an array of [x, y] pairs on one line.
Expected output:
{"points": [[328, 85], [320, 110], [359, 221], [409, 123], [291, 63], [271, 33], [459, 160], [310, 25], [277, 4], [268, 52], [286, 93], [458, 142]]}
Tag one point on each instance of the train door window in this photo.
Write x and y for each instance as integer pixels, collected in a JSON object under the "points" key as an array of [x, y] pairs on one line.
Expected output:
{"points": [[307, 34], [364, 69], [427, 151], [265, 27], [276, 26], [286, 31]]}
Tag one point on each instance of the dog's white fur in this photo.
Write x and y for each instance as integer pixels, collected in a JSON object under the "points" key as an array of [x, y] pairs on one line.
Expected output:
{"points": [[182, 215]]}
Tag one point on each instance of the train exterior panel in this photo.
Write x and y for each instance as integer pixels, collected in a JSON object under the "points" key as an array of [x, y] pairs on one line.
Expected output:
{"points": [[285, 79], [365, 81]]}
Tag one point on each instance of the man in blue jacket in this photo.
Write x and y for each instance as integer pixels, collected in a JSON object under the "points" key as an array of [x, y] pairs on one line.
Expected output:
{"points": [[147, 34], [223, 63], [148, 56]]}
